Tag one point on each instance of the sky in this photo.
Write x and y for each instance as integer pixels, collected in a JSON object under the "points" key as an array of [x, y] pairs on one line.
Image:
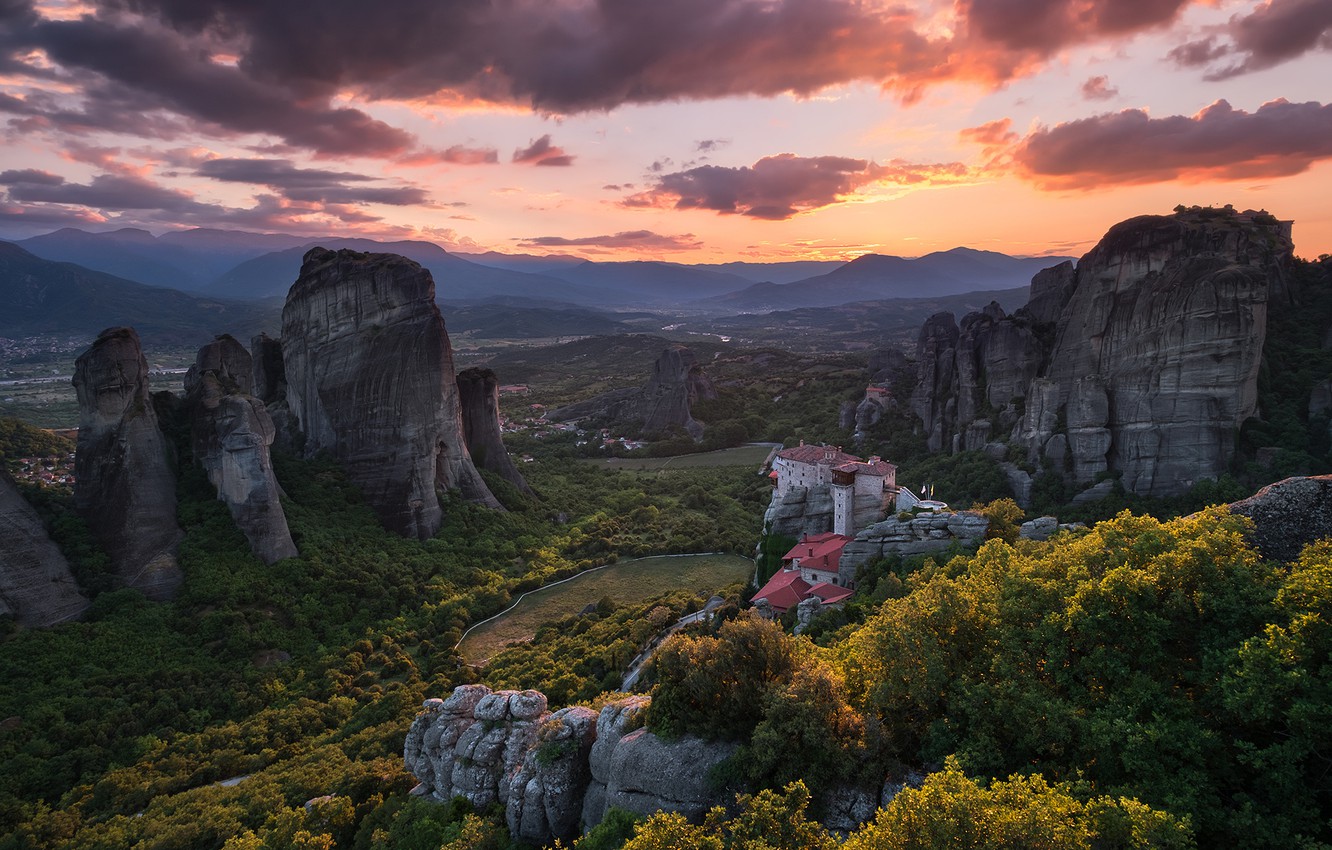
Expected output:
{"points": [[683, 130]]}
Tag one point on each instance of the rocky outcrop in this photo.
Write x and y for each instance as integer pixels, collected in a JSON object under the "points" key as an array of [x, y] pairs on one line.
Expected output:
{"points": [[546, 794], [125, 487], [922, 534], [554, 773], [36, 585], [800, 511], [649, 775], [231, 432], [1289, 515], [677, 383], [370, 379], [1142, 360], [478, 395], [613, 723]]}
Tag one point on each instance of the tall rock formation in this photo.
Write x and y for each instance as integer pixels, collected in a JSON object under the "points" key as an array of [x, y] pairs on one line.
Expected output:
{"points": [[370, 379], [666, 401], [231, 432], [1141, 361], [478, 395], [36, 585], [124, 484]]}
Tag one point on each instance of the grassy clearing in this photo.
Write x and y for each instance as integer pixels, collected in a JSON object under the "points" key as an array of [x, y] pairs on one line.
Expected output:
{"points": [[748, 455], [626, 583]]}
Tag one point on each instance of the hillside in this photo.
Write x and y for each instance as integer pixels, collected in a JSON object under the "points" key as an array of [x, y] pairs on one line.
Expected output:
{"points": [[45, 297]]}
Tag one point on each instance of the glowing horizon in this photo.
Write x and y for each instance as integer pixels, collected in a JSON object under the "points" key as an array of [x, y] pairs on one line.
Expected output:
{"points": [[690, 131]]}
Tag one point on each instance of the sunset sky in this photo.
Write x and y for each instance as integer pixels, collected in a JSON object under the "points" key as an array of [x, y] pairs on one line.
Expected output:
{"points": [[688, 130]]}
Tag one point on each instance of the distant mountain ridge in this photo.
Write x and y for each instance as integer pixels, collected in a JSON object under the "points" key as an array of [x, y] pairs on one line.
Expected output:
{"points": [[876, 277], [41, 296], [240, 264]]}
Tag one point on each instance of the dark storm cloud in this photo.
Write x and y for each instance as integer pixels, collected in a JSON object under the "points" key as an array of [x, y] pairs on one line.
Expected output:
{"points": [[30, 177], [168, 72], [1044, 26], [1279, 139], [309, 184], [779, 187], [1273, 33], [542, 152], [106, 192]]}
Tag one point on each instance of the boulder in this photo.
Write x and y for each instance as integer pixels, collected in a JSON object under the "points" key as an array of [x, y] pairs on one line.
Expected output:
{"points": [[648, 775], [1041, 528], [922, 534], [125, 487], [36, 585], [1289, 515], [370, 379]]}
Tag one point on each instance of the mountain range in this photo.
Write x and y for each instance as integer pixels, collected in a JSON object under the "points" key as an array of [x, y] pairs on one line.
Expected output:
{"points": [[41, 297], [240, 265]]}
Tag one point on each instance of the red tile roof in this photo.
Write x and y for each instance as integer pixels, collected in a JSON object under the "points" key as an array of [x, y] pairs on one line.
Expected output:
{"points": [[819, 551], [822, 455], [881, 468], [784, 590], [831, 594]]}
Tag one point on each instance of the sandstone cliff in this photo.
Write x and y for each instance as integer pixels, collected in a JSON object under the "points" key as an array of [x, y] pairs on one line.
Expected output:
{"points": [[370, 379], [478, 393], [125, 487], [36, 585], [666, 401], [1141, 361], [231, 432]]}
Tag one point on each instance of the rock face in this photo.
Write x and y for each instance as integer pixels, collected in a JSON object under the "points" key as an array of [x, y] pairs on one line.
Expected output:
{"points": [[554, 772], [800, 511], [36, 585], [370, 379], [478, 394], [923, 534], [125, 487], [1289, 515], [677, 382], [231, 432], [1142, 360]]}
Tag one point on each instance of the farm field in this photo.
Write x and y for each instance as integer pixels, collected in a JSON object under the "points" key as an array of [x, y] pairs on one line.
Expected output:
{"points": [[627, 582]]}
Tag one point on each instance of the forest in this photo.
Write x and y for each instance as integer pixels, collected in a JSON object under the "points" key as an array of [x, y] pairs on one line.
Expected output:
{"points": [[1149, 681]]}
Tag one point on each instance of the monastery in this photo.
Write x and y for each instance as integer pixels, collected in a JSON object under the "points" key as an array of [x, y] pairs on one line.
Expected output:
{"points": [[863, 492]]}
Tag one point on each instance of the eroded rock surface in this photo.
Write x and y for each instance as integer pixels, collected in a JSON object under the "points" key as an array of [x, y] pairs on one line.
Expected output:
{"points": [[231, 433], [36, 585], [1142, 360], [676, 384], [125, 487], [923, 534], [555, 773], [1289, 515], [478, 394], [370, 379]]}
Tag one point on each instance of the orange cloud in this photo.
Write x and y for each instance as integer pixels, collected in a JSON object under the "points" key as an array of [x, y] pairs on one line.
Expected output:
{"points": [[782, 186]]}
